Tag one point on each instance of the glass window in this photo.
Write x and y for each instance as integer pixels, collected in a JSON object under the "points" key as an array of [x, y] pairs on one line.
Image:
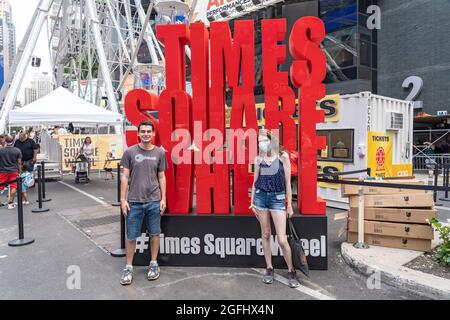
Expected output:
{"points": [[340, 57], [323, 154], [339, 145], [338, 14], [342, 37]]}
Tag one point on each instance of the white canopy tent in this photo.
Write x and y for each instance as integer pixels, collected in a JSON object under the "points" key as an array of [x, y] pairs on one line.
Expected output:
{"points": [[63, 107]]}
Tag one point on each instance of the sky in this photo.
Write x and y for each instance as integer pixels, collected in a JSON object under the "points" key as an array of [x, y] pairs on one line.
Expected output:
{"points": [[22, 12]]}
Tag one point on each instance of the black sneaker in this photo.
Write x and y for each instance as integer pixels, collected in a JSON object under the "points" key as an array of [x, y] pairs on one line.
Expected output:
{"points": [[292, 280], [268, 276]]}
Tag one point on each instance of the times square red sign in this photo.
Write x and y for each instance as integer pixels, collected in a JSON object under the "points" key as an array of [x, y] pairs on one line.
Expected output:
{"points": [[221, 61]]}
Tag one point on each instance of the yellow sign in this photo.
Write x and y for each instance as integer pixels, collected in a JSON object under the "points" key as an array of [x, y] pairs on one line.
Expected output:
{"points": [[102, 143], [402, 170], [331, 105], [326, 166], [379, 155]]}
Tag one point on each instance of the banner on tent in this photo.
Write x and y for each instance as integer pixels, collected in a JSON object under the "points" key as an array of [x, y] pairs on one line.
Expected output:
{"points": [[102, 143]]}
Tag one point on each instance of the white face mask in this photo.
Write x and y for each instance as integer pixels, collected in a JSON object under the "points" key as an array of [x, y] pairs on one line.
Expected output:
{"points": [[264, 146]]}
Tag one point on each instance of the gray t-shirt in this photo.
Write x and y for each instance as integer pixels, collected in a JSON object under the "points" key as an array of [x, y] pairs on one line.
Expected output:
{"points": [[144, 166], [8, 159]]}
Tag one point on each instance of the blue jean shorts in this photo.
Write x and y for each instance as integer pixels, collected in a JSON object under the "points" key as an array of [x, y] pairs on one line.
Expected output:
{"points": [[275, 201], [135, 217]]}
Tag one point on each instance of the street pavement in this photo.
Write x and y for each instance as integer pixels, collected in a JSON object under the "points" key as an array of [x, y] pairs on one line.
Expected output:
{"points": [[46, 268]]}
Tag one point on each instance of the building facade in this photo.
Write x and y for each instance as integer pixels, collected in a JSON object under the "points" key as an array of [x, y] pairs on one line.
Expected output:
{"points": [[30, 95], [413, 41], [350, 46], [8, 36], [41, 85]]}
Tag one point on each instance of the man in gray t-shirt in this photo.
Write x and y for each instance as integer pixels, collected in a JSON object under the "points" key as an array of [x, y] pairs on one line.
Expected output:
{"points": [[143, 177]]}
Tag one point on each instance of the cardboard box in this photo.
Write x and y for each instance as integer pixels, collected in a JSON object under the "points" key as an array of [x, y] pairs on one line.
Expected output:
{"points": [[405, 230], [395, 214], [414, 200], [349, 190], [392, 242]]}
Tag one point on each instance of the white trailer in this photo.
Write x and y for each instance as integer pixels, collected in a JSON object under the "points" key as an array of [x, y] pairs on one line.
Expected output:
{"points": [[364, 130]]}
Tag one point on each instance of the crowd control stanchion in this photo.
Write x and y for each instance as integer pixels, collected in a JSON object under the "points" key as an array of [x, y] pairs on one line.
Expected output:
{"points": [[22, 241], [40, 208], [446, 179], [44, 199], [117, 204], [121, 252], [361, 244], [436, 179]]}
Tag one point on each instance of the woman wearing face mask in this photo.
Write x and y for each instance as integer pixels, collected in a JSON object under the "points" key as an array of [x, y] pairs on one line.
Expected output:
{"points": [[272, 197]]}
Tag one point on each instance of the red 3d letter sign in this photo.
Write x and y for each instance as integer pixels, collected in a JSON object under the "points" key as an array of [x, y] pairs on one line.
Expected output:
{"points": [[192, 128]]}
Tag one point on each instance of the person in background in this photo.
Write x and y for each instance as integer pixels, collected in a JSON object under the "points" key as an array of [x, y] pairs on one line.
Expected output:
{"points": [[61, 131], [429, 155], [2, 140], [108, 165], [26, 183], [10, 167], [55, 131], [29, 150], [31, 133], [87, 149]]}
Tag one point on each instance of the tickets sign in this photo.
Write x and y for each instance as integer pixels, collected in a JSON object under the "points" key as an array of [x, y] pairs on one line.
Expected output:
{"points": [[379, 155]]}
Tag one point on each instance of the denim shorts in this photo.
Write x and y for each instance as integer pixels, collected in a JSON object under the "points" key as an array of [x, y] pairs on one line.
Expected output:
{"points": [[269, 200], [138, 211]]}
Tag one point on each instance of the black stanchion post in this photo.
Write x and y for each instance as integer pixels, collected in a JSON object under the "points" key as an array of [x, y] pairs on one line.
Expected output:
{"points": [[22, 241], [44, 199], [446, 178], [40, 208], [121, 252], [436, 178], [117, 204]]}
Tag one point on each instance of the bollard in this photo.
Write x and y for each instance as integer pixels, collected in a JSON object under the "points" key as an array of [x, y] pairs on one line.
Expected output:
{"points": [[40, 208], [361, 244], [21, 241], [44, 199], [121, 252], [117, 204]]}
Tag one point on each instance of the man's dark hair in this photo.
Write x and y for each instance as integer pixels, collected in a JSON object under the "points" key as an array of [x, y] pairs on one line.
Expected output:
{"points": [[146, 123]]}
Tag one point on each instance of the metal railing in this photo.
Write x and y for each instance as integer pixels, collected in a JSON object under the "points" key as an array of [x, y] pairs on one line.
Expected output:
{"points": [[427, 162]]}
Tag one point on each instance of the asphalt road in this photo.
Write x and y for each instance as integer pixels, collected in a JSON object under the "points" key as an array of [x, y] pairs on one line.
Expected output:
{"points": [[45, 269]]}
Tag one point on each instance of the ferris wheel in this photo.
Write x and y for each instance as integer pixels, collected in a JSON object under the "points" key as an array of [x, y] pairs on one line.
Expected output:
{"points": [[98, 48]]}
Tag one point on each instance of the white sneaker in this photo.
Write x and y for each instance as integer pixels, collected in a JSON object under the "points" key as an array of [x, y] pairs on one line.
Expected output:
{"points": [[153, 272], [12, 206], [127, 276]]}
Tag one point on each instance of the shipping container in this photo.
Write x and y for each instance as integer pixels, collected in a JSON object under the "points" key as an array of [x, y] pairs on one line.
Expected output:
{"points": [[364, 130]]}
